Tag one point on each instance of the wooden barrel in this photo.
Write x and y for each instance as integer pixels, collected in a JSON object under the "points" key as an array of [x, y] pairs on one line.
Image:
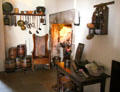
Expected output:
{"points": [[10, 65], [21, 50], [26, 62], [18, 62], [12, 53]]}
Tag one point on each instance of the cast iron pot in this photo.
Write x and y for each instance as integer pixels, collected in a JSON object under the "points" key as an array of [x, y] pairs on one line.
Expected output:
{"points": [[40, 9]]}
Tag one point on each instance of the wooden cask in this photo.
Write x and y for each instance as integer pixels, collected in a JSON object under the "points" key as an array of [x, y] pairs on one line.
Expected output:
{"points": [[12, 53], [21, 50]]}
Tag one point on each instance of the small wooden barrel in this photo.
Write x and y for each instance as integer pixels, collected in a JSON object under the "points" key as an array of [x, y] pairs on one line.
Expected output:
{"points": [[12, 53], [26, 62], [21, 50], [10, 65], [18, 63]]}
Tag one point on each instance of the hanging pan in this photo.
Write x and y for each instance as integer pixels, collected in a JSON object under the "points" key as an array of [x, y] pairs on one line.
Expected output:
{"points": [[20, 22], [7, 7]]}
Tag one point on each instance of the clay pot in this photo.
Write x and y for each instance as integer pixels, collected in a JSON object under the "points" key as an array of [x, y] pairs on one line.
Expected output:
{"points": [[90, 25]]}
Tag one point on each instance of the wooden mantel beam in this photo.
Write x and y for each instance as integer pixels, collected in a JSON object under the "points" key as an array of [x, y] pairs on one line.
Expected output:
{"points": [[104, 4]]}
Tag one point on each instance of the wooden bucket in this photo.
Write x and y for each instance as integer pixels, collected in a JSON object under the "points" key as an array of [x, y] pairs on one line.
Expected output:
{"points": [[12, 53], [10, 65], [21, 50]]}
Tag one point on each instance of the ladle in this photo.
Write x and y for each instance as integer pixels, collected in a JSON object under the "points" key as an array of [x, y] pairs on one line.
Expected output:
{"points": [[15, 24], [37, 27], [30, 32], [39, 23], [26, 20], [29, 24], [32, 23]]}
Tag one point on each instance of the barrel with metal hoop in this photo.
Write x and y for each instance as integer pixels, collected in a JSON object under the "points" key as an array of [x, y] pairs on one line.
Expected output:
{"points": [[21, 50], [10, 65], [26, 62], [12, 52], [18, 63]]}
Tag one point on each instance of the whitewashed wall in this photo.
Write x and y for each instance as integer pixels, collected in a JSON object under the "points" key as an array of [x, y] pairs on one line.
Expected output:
{"points": [[51, 6], [63, 5], [102, 48], [2, 43]]}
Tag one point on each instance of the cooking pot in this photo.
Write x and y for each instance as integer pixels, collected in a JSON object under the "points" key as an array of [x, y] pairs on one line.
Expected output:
{"points": [[20, 22], [40, 9], [7, 7], [23, 27]]}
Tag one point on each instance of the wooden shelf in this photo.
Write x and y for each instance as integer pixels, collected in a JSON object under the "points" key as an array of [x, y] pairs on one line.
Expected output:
{"points": [[25, 14]]}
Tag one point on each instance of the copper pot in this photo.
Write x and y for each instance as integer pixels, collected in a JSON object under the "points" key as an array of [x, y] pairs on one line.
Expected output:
{"points": [[20, 22], [23, 27]]}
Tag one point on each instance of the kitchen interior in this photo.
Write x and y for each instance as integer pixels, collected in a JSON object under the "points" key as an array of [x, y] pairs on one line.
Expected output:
{"points": [[74, 42]]}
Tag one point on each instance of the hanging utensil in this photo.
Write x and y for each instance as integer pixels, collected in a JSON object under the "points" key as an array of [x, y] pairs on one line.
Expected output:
{"points": [[7, 7], [39, 22], [30, 32], [6, 20], [23, 27], [29, 25], [26, 20], [15, 20], [32, 24], [37, 26], [11, 20], [44, 21], [20, 22]]}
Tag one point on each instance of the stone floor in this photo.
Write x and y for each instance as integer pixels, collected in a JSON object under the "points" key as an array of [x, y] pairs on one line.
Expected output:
{"points": [[38, 81]]}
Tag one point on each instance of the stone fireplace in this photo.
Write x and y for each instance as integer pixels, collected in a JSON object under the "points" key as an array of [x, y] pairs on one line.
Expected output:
{"points": [[61, 33]]}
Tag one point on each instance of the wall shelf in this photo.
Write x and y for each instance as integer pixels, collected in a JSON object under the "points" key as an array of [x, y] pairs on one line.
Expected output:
{"points": [[25, 14]]}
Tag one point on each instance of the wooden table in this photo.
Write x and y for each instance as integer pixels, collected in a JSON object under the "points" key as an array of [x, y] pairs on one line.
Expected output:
{"points": [[80, 82]]}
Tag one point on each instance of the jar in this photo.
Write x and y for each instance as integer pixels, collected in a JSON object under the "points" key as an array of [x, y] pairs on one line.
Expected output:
{"points": [[16, 10]]}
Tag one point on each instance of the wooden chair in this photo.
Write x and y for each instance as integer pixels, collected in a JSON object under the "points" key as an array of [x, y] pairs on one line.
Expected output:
{"points": [[76, 62], [40, 53], [79, 53]]}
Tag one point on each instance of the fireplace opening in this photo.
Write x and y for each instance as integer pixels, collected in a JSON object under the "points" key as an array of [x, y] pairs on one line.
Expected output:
{"points": [[61, 40]]}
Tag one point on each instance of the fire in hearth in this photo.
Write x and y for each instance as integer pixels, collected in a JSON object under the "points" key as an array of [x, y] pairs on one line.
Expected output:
{"points": [[61, 40]]}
